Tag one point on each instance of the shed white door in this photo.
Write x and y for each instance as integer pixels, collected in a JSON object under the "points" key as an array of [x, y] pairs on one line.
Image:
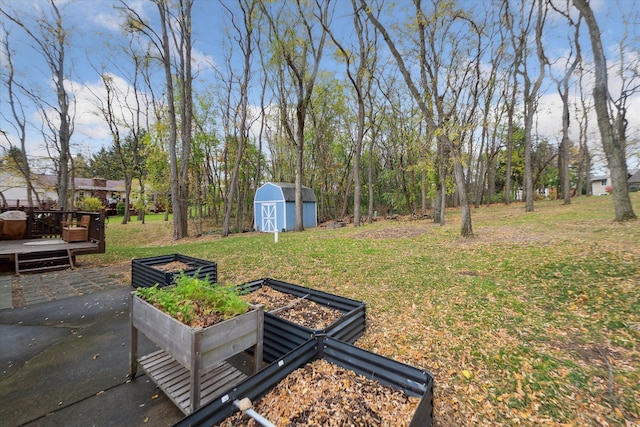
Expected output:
{"points": [[268, 217]]}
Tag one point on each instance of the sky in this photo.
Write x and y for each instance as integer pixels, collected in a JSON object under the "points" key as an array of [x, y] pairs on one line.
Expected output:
{"points": [[95, 31]]}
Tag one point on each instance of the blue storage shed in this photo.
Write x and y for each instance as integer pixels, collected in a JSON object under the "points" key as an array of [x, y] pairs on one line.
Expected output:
{"points": [[275, 207]]}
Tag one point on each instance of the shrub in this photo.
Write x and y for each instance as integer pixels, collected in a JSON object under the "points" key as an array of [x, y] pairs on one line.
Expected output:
{"points": [[120, 208], [90, 204]]}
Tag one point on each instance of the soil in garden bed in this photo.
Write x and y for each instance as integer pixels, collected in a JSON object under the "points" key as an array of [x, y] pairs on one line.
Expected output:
{"points": [[321, 393], [293, 308]]}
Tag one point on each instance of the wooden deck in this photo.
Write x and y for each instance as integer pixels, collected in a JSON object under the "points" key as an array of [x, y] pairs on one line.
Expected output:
{"points": [[40, 255], [32, 246], [43, 248]]}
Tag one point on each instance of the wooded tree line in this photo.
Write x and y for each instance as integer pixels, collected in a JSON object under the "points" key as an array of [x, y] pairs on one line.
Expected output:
{"points": [[379, 108]]}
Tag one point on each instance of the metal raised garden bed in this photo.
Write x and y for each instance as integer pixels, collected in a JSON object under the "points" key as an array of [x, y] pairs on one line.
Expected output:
{"points": [[281, 335], [410, 380], [145, 271], [190, 367]]}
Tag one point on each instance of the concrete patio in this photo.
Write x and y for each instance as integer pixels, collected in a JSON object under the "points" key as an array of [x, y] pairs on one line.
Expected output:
{"points": [[64, 352]]}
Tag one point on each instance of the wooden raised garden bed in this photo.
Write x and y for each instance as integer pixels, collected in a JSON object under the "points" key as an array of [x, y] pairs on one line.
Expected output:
{"points": [[362, 388], [163, 269], [287, 324], [190, 367]]}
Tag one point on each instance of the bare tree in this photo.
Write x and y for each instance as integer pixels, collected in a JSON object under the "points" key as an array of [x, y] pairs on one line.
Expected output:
{"points": [[50, 39], [519, 37], [612, 138], [107, 108], [492, 105], [125, 110], [19, 119], [563, 90], [174, 47], [361, 78], [300, 49], [245, 39], [582, 117], [442, 118]]}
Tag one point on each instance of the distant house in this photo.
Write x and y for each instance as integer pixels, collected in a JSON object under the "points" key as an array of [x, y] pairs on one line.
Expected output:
{"points": [[634, 181], [600, 183], [275, 208], [108, 190], [14, 189]]}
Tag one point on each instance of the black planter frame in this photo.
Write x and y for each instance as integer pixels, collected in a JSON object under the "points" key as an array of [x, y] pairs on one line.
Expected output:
{"points": [[412, 381], [144, 274], [281, 336]]}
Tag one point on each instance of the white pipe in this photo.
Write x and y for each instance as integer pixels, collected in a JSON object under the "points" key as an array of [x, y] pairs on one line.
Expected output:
{"points": [[245, 406]]}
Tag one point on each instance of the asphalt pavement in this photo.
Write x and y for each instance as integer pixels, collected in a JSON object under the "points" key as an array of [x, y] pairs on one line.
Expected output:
{"points": [[64, 352]]}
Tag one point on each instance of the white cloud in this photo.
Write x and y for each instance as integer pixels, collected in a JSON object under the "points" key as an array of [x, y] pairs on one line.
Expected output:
{"points": [[201, 61], [108, 21], [113, 18]]}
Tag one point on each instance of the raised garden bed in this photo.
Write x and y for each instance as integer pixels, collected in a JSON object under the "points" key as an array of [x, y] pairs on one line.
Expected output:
{"points": [[286, 325], [190, 367], [387, 388], [163, 269]]}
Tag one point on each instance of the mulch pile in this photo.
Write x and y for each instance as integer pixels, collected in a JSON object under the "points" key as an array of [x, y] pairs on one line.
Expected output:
{"points": [[323, 394]]}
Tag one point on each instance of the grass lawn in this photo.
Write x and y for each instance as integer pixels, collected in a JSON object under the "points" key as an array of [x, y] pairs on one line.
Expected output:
{"points": [[534, 321]]}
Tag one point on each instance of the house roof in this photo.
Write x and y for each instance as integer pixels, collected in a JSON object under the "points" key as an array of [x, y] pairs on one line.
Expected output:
{"points": [[633, 174], [289, 192], [83, 183]]}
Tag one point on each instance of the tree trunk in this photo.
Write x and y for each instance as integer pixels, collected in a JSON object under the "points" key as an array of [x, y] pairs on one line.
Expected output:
{"points": [[510, 113], [614, 147], [370, 178], [466, 229], [528, 129], [564, 146]]}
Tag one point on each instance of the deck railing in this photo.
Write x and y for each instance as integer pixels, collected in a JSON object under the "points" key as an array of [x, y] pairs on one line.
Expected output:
{"points": [[42, 223]]}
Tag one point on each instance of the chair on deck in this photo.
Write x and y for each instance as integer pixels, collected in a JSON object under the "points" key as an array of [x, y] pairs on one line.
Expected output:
{"points": [[76, 231]]}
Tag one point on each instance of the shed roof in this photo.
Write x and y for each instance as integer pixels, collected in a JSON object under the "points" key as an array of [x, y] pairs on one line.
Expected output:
{"points": [[289, 192], [635, 178]]}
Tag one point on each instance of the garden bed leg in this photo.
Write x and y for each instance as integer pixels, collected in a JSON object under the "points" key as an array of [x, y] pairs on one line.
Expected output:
{"points": [[257, 353], [195, 371], [133, 357]]}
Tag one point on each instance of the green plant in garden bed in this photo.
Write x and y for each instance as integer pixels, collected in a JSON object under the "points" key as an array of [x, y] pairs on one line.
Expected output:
{"points": [[195, 302]]}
